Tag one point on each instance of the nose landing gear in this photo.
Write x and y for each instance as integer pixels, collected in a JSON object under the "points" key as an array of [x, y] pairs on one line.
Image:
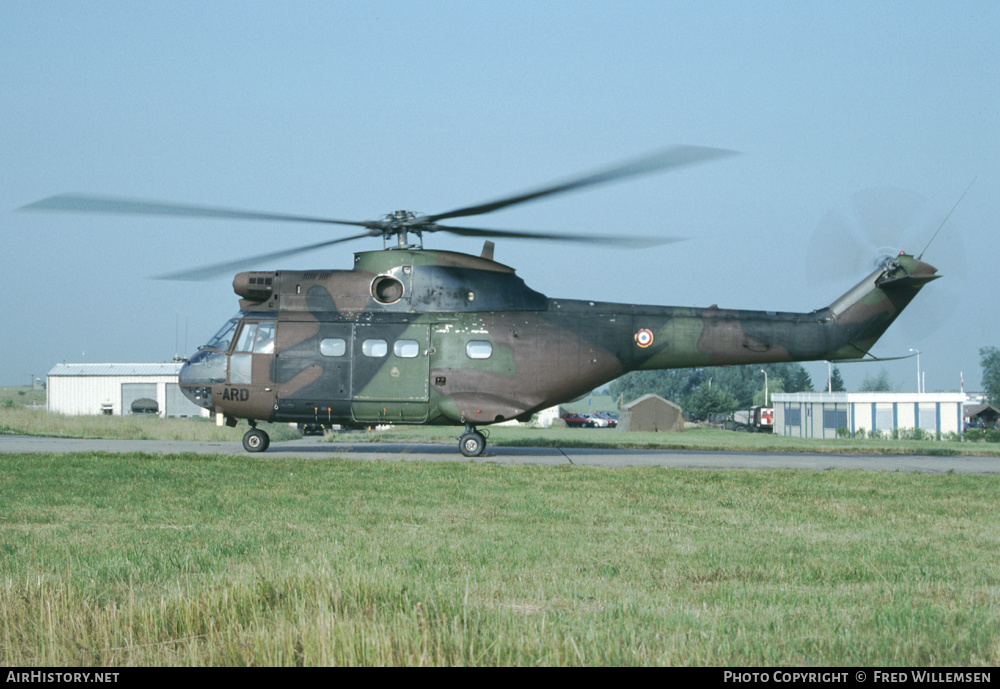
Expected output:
{"points": [[472, 443], [256, 440]]}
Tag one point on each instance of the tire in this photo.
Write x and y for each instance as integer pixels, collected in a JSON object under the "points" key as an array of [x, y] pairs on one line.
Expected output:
{"points": [[472, 444], [256, 440]]}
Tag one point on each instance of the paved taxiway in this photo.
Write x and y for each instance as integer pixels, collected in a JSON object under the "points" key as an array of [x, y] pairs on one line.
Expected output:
{"points": [[318, 449]]}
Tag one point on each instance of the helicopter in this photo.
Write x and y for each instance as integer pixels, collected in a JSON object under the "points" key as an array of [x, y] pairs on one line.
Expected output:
{"points": [[410, 335]]}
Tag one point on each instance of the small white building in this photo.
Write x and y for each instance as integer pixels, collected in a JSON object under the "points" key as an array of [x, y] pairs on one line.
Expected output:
{"points": [[117, 389], [820, 414]]}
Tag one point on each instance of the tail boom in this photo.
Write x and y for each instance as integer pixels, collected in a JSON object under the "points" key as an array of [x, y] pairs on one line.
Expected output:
{"points": [[846, 329]]}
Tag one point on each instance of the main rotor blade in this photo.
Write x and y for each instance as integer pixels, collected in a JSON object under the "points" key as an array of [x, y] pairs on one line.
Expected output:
{"points": [[228, 267], [107, 204], [635, 242], [677, 156]]}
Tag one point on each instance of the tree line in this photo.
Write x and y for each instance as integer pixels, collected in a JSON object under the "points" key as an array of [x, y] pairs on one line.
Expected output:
{"points": [[723, 390], [719, 390]]}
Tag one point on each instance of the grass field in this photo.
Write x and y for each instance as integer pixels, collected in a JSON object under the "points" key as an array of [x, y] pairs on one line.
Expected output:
{"points": [[116, 560], [20, 395]]}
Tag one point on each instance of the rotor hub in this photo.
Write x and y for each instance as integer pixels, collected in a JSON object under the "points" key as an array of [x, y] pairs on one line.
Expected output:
{"points": [[401, 223], [401, 216]]}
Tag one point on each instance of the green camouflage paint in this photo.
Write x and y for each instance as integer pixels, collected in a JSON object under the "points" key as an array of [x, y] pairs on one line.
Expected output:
{"points": [[414, 336]]}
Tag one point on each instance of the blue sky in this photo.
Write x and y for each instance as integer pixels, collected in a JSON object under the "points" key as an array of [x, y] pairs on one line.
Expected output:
{"points": [[352, 110]]}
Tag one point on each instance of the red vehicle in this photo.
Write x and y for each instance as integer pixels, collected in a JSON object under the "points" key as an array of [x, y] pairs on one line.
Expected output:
{"points": [[577, 420], [762, 419], [757, 420]]}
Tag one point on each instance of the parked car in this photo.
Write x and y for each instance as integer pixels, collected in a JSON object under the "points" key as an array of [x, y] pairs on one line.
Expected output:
{"points": [[577, 420], [610, 417], [599, 421]]}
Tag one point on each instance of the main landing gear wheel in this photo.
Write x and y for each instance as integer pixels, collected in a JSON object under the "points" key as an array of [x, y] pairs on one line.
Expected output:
{"points": [[256, 440], [472, 443]]}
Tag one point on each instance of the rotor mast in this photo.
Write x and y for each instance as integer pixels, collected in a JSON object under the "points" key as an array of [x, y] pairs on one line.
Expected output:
{"points": [[401, 223]]}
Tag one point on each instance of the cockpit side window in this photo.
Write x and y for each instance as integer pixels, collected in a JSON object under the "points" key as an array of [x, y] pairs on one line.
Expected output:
{"points": [[257, 338], [264, 342], [247, 336]]}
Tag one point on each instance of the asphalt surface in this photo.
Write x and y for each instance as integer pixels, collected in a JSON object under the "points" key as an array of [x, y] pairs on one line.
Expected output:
{"points": [[316, 448]]}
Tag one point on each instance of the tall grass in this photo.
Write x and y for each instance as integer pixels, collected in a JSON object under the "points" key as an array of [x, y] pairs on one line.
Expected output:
{"points": [[25, 421], [116, 560], [21, 395]]}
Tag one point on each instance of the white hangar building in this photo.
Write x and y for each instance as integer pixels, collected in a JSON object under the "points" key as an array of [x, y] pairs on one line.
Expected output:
{"points": [[820, 414], [117, 389]]}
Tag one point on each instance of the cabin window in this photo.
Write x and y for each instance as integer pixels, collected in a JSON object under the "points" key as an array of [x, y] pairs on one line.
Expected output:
{"points": [[333, 346], [479, 349], [406, 349], [375, 348]]}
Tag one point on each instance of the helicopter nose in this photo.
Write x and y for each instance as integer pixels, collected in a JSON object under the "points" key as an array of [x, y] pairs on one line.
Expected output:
{"points": [[200, 373]]}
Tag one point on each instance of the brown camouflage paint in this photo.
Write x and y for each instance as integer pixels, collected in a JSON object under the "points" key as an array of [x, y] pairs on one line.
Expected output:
{"points": [[544, 351]]}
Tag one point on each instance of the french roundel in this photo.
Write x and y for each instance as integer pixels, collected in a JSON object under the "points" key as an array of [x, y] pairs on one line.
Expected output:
{"points": [[644, 338]]}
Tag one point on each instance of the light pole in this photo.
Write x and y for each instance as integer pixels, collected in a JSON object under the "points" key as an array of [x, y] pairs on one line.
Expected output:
{"points": [[765, 386], [919, 386]]}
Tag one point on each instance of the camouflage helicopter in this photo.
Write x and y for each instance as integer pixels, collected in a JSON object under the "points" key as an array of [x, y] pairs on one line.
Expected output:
{"points": [[416, 336]]}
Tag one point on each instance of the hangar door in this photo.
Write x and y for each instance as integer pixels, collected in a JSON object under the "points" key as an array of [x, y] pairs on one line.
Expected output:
{"points": [[132, 393]]}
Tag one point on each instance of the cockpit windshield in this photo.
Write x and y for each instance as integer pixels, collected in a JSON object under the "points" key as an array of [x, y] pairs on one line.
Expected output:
{"points": [[222, 338]]}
